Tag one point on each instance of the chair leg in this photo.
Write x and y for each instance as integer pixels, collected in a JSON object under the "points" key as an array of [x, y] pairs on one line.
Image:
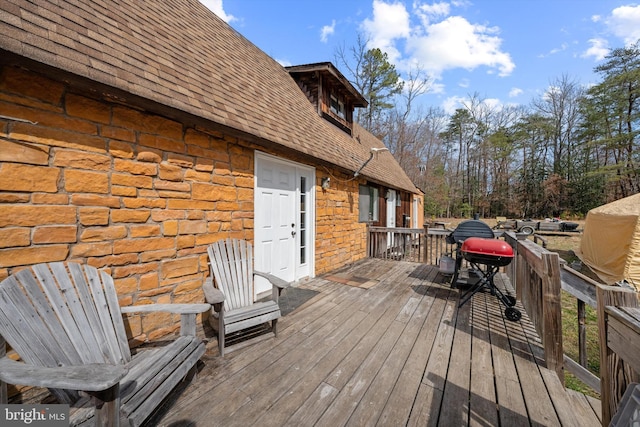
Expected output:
{"points": [[274, 326], [221, 336], [219, 309], [107, 407]]}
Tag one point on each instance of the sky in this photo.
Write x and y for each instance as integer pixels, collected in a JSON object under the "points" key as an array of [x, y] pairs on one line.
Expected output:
{"points": [[506, 52]]}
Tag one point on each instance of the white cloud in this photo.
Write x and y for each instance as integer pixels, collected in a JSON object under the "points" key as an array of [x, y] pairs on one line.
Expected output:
{"points": [[430, 12], [598, 50], [456, 43], [492, 103], [624, 22], [436, 88], [596, 18], [216, 7], [451, 104], [430, 36], [327, 30], [461, 3], [515, 91], [562, 48], [390, 22], [464, 83]]}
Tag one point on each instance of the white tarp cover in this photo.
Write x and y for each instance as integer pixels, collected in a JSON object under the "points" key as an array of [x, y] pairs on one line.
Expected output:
{"points": [[610, 243]]}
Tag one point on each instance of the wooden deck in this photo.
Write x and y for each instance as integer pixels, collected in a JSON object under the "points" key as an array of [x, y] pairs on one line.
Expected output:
{"points": [[384, 343]]}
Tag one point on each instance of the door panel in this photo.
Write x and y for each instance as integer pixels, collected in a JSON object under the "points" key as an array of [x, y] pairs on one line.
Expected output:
{"points": [[391, 208], [275, 210], [305, 232], [284, 208], [391, 215]]}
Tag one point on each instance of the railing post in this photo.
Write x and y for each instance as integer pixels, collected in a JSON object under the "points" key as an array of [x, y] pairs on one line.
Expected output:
{"points": [[425, 251], [552, 313], [522, 280], [582, 334], [615, 374]]}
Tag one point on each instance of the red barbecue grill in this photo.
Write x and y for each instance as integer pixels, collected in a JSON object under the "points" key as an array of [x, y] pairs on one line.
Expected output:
{"points": [[492, 254]]}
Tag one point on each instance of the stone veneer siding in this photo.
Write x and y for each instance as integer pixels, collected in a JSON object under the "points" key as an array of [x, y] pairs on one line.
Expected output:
{"points": [[136, 194]]}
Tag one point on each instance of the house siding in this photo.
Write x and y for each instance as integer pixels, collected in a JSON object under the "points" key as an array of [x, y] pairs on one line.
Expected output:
{"points": [[340, 238], [139, 195]]}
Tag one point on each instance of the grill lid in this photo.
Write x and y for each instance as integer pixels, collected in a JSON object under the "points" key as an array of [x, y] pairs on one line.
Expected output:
{"points": [[488, 247]]}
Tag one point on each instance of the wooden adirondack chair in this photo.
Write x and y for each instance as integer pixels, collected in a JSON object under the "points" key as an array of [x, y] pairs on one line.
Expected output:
{"points": [[65, 323], [233, 298]]}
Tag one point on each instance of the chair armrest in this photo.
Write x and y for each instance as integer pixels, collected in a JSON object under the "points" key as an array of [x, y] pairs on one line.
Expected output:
{"points": [[91, 377], [276, 281], [211, 294], [187, 313], [170, 308]]}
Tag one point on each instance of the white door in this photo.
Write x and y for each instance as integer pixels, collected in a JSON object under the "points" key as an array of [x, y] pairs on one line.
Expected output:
{"points": [[391, 214], [414, 220], [283, 241]]}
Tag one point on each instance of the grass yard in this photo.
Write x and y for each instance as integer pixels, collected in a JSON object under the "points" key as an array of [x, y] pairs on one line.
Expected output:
{"points": [[570, 341]]}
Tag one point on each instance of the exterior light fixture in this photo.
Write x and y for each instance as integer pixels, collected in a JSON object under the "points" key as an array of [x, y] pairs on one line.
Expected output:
{"points": [[325, 182]]}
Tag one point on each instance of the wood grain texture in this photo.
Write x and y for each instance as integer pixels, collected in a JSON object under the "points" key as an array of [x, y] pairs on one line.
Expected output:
{"points": [[233, 298], [615, 373], [65, 323], [398, 353]]}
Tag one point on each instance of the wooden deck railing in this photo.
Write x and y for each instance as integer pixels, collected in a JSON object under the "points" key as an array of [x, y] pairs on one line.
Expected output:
{"points": [[402, 244], [408, 244], [583, 289], [619, 328], [535, 275], [437, 245], [538, 277]]}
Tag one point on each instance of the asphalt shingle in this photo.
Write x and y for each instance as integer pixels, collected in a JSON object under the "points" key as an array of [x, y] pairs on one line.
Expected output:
{"points": [[179, 54]]}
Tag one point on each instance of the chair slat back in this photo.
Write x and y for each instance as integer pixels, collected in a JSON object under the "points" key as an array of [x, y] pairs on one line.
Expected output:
{"points": [[63, 314], [231, 263]]}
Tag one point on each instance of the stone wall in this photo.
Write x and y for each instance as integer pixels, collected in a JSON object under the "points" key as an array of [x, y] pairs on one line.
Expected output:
{"points": [[93, 180], [340, 238]]}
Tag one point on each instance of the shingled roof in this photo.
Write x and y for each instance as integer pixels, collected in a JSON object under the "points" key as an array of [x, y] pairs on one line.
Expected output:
{"points": [[177, 53]]}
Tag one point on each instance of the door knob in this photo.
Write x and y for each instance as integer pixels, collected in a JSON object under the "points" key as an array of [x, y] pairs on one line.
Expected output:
{"points": [[293, 233]]}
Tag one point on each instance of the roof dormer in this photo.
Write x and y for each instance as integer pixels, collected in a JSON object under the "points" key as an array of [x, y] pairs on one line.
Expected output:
{"points": [[329, 91]]}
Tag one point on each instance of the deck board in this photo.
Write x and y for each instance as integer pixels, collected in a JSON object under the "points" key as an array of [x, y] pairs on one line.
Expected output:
{"points": [[398, 352], [454, 410], [401, 401], [483, 410]]}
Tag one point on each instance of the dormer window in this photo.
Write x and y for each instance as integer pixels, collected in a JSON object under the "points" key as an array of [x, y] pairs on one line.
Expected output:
{"points": [[337, 107], [330, 92]]}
